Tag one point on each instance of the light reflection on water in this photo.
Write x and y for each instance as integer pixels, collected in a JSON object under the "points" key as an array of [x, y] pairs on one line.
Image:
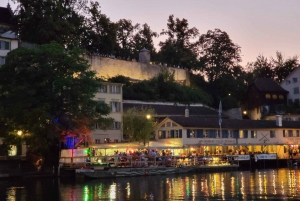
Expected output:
{"points": [[281, 184]]}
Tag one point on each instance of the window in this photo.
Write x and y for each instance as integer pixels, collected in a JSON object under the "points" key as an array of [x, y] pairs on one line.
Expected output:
{"points": [[115, 106], [97, 141], [253, 134], [243, 134], [297, 133], [288, 82], [274, 96], [290, 133], [192, 134], [103, 89], [2, 60], [230, 134], [106, 140], [283, 133], [116, 125], [116, 140], [176, 133], [268, 96], [168, 134], [114, 89], [272, 134], [168, 124], [295, 80], [174, 124], [296, 90], [4, 45], [281, 97], [205, 134]]}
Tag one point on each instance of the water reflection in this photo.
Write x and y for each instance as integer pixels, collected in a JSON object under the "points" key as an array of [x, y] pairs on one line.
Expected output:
{"points": [[260, 185]]}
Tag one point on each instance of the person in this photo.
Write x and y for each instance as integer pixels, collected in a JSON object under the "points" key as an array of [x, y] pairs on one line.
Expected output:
{"points": [[39, 164]]}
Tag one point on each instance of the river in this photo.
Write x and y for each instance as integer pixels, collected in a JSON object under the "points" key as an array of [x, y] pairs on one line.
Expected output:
{"points": [[269, 184]]}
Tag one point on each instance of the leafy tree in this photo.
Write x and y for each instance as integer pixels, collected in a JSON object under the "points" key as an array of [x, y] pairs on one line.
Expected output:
{"points": [[47, 93], [100, 35], [144, 39], [43, 21], [263, 68], [218, 54], [125, 37], [138, 124], [283, 67], [178, 49]]}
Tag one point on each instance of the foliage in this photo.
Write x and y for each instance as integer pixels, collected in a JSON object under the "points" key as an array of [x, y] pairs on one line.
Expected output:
{"points": [[178, 49], [144, 39], [43, 21], [125, 37], [218, 54], [262, 68], [100, 33], [283, 67], [47, 93], [163, 88], [138, 124]]}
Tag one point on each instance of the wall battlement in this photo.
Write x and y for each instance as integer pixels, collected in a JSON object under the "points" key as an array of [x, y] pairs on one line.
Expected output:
{"points": [[108, 67]]}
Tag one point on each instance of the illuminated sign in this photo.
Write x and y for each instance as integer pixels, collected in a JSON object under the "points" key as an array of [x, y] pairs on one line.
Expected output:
{"points": [[217, 141]]}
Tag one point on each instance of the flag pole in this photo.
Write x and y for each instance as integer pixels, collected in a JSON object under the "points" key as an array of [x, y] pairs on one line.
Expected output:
{"points": [[220, 122]]}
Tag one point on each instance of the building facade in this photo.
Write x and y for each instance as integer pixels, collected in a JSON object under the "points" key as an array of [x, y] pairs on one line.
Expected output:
{"points": [[111, 94], [8, 39], [292, 85]]}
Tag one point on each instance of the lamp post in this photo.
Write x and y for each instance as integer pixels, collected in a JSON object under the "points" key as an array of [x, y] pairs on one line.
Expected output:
{"points": [[19, 146]]}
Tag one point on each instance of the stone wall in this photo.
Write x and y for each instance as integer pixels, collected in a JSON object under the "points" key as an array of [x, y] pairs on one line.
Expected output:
{"points": [[107, 67]]}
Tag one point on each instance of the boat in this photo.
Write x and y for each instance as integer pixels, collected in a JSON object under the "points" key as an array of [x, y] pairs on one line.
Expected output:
{"points": [[131, 172]]}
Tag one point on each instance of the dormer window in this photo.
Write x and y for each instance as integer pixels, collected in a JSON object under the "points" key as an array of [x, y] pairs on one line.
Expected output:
{"points": [[274, 96]]}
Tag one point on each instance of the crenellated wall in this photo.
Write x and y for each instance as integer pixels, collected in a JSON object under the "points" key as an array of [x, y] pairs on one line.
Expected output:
{"points": [[108, 67]]}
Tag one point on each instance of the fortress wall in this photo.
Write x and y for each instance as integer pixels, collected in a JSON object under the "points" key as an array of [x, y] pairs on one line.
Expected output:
{"points": [[107, 67]]}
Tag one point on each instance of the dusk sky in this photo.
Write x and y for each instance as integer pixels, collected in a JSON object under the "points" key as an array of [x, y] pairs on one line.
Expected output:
{"points": [[257, 26]]}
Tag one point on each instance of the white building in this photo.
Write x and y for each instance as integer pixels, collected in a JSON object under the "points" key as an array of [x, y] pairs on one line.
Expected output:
{"points": [[111, 94], [292, 85], [8, 39]]}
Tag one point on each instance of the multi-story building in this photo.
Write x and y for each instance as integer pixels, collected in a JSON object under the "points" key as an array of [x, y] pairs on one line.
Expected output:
{"points": [[292, 85], [8, 38], [265, 99], [111, 94]]}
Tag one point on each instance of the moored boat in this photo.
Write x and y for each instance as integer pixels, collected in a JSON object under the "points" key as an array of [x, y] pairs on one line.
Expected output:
{"points": [[130, 172]]}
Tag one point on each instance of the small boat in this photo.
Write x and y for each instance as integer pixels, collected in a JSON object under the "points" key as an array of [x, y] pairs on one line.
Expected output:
{"points": [[131, 172]]}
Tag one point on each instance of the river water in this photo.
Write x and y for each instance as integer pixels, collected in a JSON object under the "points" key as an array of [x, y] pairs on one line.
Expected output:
{"points": [[269, 184]]}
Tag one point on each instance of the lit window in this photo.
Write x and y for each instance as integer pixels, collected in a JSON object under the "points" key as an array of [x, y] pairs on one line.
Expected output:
{"points": [[274, 96], [268, 96], [281, 97], [253, 134]]}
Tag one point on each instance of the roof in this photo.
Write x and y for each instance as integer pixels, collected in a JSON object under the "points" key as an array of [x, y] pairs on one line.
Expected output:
{"points": [[291, 74], [176, 110], [201, 122], [268, 85], [144, 50], [5, 15]]}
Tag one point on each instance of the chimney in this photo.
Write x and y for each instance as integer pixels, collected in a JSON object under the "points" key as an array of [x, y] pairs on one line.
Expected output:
{"points": [[279, 120], [186, 112]]}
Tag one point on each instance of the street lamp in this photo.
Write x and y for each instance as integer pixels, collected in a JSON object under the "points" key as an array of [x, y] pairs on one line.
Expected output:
{"points": [[148, 116], [19, 133]]}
